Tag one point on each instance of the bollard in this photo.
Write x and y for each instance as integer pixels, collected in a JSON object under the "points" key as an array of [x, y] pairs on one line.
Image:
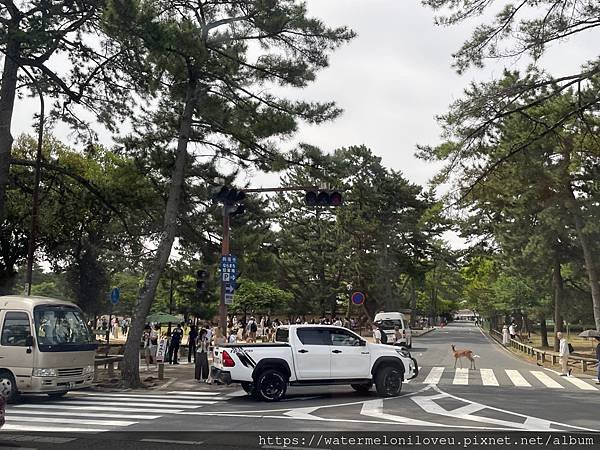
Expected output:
{"points": [[161, 371]]}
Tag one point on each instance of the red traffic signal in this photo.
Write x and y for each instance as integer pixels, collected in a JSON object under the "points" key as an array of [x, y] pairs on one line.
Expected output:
{"points": [[323, 198]]}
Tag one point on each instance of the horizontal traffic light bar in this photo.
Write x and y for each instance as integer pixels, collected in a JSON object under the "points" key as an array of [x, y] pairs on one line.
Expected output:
{"points": [[323, 198]]}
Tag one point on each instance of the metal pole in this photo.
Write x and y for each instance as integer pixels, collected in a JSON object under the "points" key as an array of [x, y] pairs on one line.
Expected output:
{"points": [[108, 329], [224, 252]]}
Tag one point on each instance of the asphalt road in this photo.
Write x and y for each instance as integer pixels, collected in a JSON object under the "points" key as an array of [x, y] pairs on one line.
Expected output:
{"points": [[501, 393]]}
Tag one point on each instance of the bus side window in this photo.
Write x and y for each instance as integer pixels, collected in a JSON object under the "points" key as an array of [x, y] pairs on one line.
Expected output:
{"points": [[15, 329]]}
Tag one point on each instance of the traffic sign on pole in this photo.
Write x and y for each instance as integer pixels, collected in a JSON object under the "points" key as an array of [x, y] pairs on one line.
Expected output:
{"points": [[228, 268], [358, 298], [115, 295]]}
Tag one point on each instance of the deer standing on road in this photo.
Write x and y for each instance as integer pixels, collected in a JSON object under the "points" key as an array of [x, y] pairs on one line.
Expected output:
{"points": [[464, 354]]}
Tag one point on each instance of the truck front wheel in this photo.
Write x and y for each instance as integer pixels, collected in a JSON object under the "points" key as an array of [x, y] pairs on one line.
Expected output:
{"points": [[388, 381], [271, 385]]}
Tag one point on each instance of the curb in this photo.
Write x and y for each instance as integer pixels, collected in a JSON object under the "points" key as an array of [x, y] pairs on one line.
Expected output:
{"points": [[426, 332]]}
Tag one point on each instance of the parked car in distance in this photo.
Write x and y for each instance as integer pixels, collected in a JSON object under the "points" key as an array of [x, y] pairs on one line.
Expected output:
{"points": [[313, 355], [389, 321]]}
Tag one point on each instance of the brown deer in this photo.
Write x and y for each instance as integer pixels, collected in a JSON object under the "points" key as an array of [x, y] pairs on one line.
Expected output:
{"points": [[464, 354]]}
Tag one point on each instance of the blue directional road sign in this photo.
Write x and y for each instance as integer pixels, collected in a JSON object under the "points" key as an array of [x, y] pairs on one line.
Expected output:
{"points": [[115, 295], [228, 268]]}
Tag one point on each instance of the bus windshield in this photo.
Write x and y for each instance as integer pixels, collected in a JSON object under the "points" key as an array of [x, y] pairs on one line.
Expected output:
{"points": [[61, 329]]}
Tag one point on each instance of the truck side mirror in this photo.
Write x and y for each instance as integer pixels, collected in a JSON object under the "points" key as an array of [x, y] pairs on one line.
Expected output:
{"points": [[29, 343]]}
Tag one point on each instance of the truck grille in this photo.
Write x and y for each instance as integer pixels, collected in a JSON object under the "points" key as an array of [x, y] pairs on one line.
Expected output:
{"points": [[70, 372]]}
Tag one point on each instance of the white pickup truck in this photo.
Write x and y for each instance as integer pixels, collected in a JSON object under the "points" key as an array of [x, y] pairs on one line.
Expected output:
{"points": [[313, 355]]}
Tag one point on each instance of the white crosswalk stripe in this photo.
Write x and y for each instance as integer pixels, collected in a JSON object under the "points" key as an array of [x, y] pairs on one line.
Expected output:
{"points": [[546, 380], [434, 376], [580, 384], [517, 379], [497, 377], [96, 412], [461, 376], [488, 378]]}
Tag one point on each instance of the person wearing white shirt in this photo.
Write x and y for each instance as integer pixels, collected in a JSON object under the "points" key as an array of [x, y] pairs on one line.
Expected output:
{"points": [[563, 352], [376, 334], [512, 330]]}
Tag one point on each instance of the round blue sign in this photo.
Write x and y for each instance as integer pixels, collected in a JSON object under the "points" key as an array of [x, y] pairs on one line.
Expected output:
{"points": [[115, 295], [358, 298]]}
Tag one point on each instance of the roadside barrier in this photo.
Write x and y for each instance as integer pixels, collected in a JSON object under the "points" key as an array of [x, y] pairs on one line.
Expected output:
{"points": [[544, 355]]}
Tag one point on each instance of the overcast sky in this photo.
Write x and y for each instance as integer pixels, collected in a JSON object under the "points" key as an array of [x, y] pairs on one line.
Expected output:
{"points": [[391, 81]]}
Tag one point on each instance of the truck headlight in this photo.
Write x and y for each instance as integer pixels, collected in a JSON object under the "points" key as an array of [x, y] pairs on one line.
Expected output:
{"points": [[88, 369], [44, 372], [403, 352]]}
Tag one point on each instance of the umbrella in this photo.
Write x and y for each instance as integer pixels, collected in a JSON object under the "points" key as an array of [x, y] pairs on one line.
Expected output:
{"points": [[589, 333], [161, 317]]}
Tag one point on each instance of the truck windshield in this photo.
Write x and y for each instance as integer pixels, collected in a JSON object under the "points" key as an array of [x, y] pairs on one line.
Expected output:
{"points": [[390, 324], [61, 329]]}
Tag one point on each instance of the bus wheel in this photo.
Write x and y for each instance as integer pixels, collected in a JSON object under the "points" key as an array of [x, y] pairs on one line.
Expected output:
{"points": [[8, 387]]}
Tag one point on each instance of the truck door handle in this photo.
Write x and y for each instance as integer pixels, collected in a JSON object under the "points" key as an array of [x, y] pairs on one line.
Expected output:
{"points": [[302, 351], [336, 351]]}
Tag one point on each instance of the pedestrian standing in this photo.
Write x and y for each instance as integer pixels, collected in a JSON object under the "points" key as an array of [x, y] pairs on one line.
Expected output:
{"points": [[563, 352], [232, 337], [397, 335], [192, 343], [203, 348], [512, 330], [176, 336], [376, 334], [505, 335], [252, 328], [598, 358], [146, 339]]}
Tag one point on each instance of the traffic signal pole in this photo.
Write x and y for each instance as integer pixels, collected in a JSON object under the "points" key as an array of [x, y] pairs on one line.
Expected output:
{"points": [[226, 220], [224, 252]]}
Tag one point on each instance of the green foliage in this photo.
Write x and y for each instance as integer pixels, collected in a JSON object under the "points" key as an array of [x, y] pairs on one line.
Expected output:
{"points": [[260, 298]]}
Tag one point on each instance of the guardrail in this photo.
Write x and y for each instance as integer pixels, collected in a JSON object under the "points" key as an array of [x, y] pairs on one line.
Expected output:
{"points": [[109, 362], [545, 355]]}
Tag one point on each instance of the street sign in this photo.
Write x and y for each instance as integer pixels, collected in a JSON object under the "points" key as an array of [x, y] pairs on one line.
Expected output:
{"points": [[228, 267], [161, 351], [229, 299], [358, 298], [229, 288], [115, 295]]}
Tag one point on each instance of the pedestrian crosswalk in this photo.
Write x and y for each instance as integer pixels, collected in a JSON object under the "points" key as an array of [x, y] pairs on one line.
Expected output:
{"points": [[94, 412], [502, 377]]}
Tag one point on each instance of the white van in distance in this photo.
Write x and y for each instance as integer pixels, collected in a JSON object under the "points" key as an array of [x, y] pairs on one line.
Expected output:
{"points": [[389, 321]]}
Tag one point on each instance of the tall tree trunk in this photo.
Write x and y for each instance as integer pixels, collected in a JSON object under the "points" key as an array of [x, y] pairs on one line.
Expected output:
{"points": [[588, 253], [558, 286], [586, 246], [8, 88], [130, 374], [543, 331]]}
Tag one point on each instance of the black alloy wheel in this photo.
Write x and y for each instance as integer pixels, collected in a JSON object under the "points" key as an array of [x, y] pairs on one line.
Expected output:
{"points": [[271, 385], [389, 381]]}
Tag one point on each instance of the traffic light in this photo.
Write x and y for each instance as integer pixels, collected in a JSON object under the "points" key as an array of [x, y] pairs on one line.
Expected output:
{"points": [[323, 198], [231, 198], [201, 281]]}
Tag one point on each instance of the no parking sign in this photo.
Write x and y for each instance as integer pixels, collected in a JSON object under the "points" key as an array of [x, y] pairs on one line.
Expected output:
{"points": [[358, 298]]}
